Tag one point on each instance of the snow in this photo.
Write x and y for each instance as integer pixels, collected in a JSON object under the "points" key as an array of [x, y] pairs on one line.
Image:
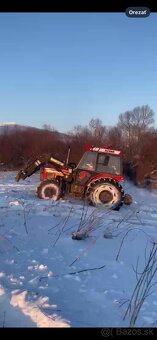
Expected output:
{"points": [[47, 279]]}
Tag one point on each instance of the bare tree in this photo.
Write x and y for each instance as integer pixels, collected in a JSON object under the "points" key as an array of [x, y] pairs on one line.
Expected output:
{"points": [[143, 117], [114, 136], [125, 123], [134, 124], [97, 129], [142, 120]]}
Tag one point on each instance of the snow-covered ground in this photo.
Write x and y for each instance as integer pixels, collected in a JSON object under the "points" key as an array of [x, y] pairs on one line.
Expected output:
{"points": [[47, 279]]}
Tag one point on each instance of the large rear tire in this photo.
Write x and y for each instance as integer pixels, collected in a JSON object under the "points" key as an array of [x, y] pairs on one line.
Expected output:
{"points": [[49, 190], [105, 192]]}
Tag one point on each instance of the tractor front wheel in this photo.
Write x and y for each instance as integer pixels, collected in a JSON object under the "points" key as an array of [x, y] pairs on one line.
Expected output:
{"points": [[49, 190], [105, 192]]}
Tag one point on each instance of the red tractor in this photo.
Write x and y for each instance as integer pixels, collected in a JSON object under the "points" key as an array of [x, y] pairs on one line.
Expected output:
{"points": [[96, 178]]}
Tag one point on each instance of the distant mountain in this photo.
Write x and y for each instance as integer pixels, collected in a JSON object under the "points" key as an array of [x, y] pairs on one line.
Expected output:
{"points": [[11, 124], [11, 127]]}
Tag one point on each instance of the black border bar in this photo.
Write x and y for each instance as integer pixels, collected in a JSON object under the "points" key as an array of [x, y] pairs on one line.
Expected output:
{"points": [[77, 6]]}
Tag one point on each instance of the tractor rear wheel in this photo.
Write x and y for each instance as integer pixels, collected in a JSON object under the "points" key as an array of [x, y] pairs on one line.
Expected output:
{"points": [[49, 190], [105, 192]]}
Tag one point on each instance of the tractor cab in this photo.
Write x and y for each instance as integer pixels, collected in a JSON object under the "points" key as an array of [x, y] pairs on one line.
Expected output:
{"points": [[102, 160], [95, 164]]}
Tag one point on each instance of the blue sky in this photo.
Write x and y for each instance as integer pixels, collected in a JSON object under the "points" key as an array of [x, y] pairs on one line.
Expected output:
{"points": [[63, 69]]}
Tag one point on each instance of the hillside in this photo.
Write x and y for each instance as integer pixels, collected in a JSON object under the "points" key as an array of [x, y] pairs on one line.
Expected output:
{"points": [[11, 127]]}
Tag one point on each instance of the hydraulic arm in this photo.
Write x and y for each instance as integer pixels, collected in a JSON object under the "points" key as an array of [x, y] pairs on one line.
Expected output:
{"points": [[34, 165]]}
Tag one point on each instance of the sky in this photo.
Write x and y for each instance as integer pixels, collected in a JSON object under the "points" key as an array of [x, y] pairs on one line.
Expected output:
{"points": [[63, 69]]}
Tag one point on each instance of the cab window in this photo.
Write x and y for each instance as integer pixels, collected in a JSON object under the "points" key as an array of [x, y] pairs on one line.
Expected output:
{"points": [[109, 164], [88, 161]]}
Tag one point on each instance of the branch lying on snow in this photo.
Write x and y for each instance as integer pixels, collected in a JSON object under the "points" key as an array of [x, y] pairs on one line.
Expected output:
{"points": [[84, 251], [74, 273], [88, 269]]}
